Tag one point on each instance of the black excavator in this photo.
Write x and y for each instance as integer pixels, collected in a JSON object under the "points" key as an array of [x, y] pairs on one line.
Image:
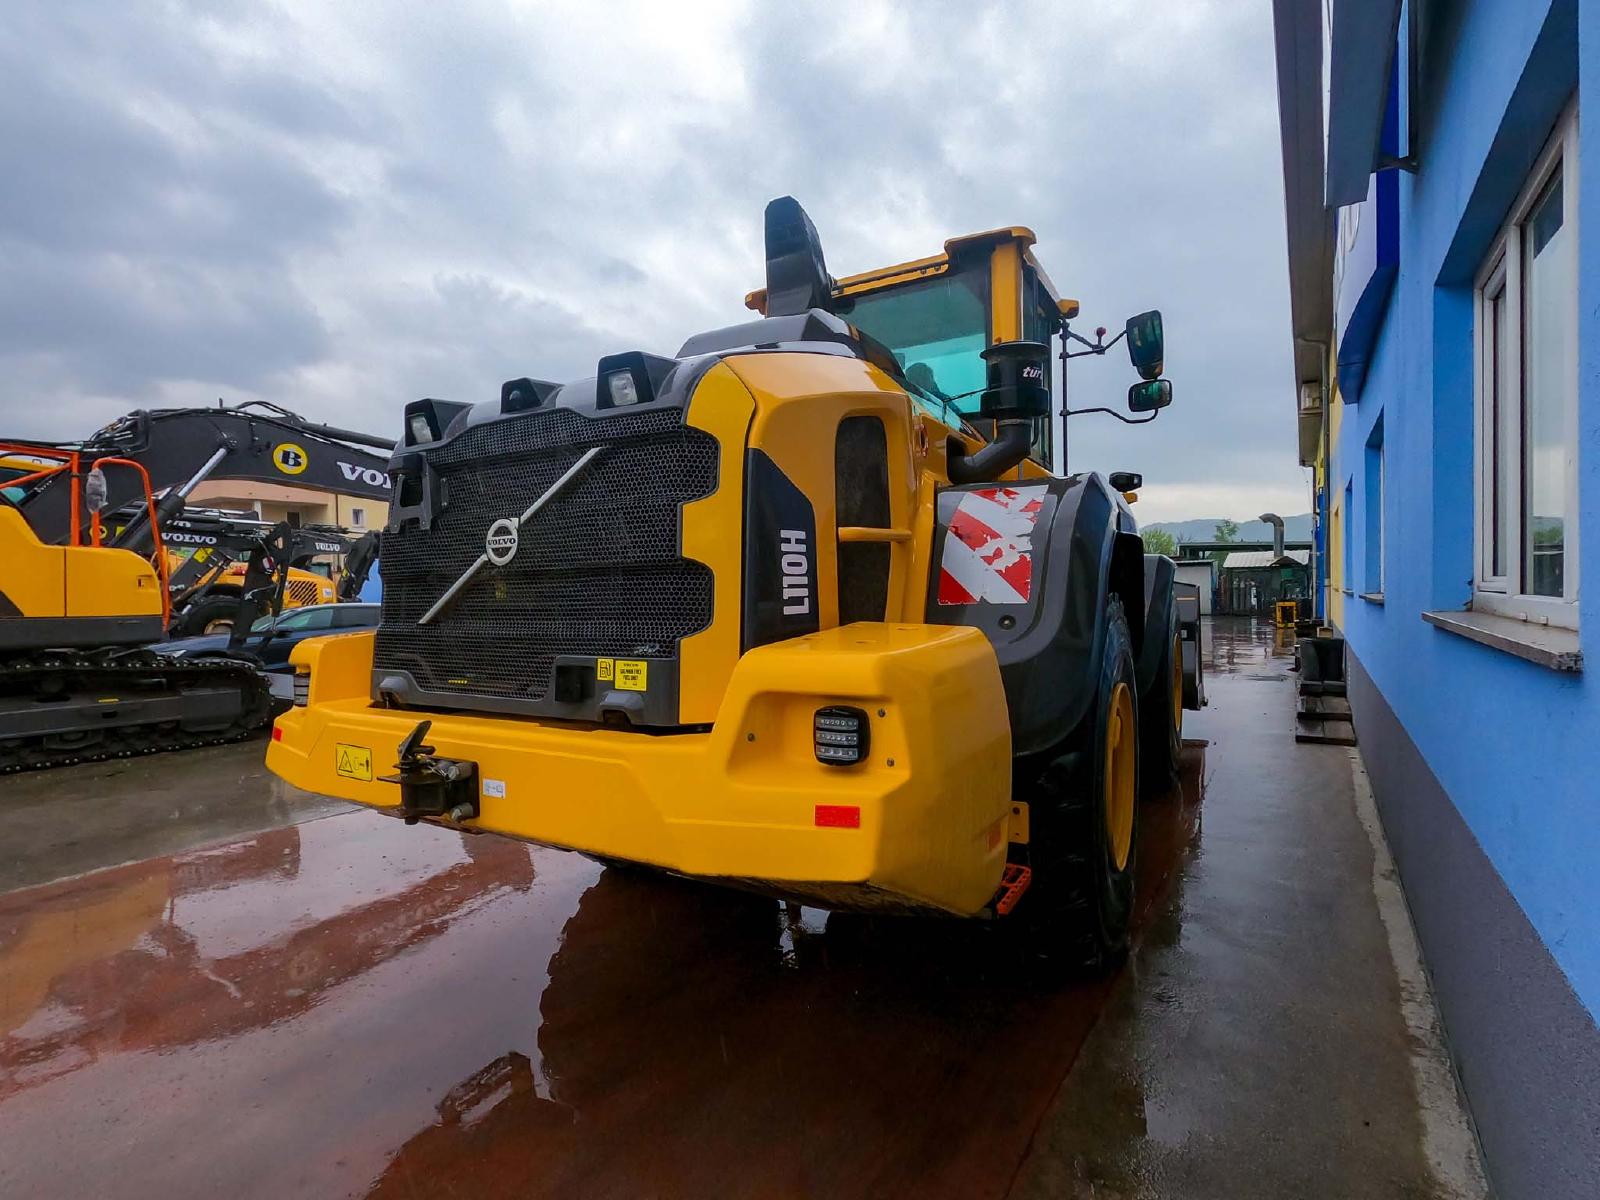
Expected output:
{"points": [[85, 576], [229, 568]]}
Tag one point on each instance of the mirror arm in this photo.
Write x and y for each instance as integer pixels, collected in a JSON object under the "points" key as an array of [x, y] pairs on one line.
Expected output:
{"points": [[1094, 347], [1098, 346], [1077, 412]]}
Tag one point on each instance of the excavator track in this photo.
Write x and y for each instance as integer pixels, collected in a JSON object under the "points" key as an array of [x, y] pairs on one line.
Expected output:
{"points": [[61, 707]]}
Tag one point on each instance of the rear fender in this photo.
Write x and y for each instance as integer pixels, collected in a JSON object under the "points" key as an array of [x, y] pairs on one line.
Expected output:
{"points": [[1037, 588], [1157, 606]]}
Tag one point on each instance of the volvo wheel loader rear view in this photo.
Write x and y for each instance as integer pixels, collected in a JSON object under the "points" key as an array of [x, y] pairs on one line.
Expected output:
{"points": [[800, 609]]}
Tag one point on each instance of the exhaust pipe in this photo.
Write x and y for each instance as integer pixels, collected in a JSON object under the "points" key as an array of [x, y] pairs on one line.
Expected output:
{"points": [[1276, 522], [1013, 440]]}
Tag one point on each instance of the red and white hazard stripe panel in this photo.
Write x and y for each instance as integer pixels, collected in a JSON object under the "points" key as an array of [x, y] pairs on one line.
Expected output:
{"points": [[988, 552]]}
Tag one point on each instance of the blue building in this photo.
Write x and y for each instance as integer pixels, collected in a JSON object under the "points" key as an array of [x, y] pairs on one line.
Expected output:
{"points": [[1442, 195]]}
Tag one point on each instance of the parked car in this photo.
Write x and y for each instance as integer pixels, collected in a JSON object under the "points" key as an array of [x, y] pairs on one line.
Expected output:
{"points": [[285, 632]]}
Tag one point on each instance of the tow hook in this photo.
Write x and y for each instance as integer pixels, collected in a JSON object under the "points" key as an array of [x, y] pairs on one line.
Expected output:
{"points": [[431, 786]]}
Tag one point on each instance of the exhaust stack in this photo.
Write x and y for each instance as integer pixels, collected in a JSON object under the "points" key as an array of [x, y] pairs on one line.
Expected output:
{"points": [[1276, 522]]}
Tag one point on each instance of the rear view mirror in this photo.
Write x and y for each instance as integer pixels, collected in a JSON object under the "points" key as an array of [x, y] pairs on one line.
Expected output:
{"points": [[1146, 345], [1126, 481], [1150, 395]]}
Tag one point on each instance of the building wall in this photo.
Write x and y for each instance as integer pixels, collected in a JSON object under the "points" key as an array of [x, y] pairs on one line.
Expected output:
{"points": [[1475, 752], [276, 501], [1334, 492]]}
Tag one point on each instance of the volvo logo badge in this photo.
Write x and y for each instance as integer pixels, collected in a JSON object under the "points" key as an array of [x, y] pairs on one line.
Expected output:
{"points": [[501, 544]]}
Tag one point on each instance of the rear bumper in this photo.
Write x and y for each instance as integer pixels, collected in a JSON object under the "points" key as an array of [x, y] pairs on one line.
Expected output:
{"points": [[741, 802]]}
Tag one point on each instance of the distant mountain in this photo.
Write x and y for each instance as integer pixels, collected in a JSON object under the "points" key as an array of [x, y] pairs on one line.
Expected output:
{"points": [[1204, 529]]}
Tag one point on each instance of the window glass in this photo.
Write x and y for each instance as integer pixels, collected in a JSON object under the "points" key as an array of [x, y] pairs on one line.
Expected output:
{"points": [[1526, 387], [1500, 398], [1040, 322], [937, 329], [320, 617], [1347, 549], [1547, 375], [1372, 483], [355, 616], [1040, 318]]}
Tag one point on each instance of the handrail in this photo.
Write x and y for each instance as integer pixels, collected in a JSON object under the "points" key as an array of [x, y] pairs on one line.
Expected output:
{"points": [[158, 556], [868, 533]]}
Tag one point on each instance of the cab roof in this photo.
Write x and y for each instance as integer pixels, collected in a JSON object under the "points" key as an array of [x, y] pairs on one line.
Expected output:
{"points": [[881, 278]]}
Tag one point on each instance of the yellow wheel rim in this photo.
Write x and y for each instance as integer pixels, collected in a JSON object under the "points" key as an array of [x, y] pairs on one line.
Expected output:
{"points": [[1120, 747], [1177, 685]]}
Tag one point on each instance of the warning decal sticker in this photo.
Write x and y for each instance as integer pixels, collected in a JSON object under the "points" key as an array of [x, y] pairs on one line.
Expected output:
{"points": [[353, 762], [988, 550]]}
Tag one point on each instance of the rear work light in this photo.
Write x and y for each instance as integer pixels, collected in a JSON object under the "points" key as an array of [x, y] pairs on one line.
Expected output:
{"points": [[624, 392], [302, 688], [841, 735]]}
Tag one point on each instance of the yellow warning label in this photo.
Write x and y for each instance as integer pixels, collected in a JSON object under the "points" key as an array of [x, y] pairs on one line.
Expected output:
{"points": [[602, 670], [632, 674], [353, 762]]}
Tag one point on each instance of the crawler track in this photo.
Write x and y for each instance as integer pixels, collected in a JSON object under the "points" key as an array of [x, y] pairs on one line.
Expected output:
{"points": [[120, 703]]}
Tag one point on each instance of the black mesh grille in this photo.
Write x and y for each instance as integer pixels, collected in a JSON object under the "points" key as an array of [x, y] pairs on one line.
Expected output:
{"points": [[597, 571]]}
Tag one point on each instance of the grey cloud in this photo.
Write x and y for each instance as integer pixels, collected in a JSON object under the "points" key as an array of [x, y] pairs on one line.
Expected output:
{"points": [[347, 208]]}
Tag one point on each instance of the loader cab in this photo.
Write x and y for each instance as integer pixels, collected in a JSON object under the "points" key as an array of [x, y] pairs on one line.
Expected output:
{"points": [[938, 315]]}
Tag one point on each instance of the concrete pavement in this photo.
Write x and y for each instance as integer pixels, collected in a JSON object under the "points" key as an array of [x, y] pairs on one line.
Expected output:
{"points": [[212, 984]]}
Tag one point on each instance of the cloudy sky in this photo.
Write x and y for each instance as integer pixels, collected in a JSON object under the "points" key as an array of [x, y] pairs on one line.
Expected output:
{"points": [[342, 207]]}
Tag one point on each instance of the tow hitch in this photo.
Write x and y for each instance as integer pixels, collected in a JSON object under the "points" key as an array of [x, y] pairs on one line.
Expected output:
{"points": [[432, 786]]}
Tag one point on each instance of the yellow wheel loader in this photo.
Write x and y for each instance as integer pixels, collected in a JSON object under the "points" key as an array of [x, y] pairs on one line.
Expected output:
{"points": [[800, 609]]}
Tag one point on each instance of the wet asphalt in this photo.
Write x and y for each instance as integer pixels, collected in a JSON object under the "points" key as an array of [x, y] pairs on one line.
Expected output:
{"points": [[212, 984]]}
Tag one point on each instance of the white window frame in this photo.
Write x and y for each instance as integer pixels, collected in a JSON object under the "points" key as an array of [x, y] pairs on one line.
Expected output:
{"points": [[1502, 271]]}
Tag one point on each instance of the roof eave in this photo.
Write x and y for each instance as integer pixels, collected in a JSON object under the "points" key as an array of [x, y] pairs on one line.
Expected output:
{"points": [[1309, 224]]}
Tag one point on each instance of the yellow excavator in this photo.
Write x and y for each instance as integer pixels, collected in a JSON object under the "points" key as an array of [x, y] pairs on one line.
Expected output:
{"points": [[99, 552], [801, 608]]}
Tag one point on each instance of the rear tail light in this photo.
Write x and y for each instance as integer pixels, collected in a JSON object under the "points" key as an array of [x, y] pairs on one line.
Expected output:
{"points": [[302, 688], [841, 735]]}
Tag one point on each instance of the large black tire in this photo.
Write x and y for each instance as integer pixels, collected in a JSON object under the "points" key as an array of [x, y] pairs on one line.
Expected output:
{"points": [[214, 614], [1080, 902], [1161, 715]]}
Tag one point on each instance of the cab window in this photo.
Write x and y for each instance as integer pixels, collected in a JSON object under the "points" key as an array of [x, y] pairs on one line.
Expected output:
{"points": [[937, 328], [1040, 317], [1041, 320]]}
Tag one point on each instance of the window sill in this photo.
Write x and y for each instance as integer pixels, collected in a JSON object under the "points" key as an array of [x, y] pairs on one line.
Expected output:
{"points": [[1545, 645], [1344, 591], [1372, 597]]}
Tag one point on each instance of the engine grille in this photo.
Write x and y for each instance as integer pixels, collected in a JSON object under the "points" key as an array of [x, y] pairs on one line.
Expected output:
{"points": [[598, 571]]}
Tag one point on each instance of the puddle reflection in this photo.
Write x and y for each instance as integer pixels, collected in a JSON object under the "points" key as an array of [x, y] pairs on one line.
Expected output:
{"points": [[441, 1015]]}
